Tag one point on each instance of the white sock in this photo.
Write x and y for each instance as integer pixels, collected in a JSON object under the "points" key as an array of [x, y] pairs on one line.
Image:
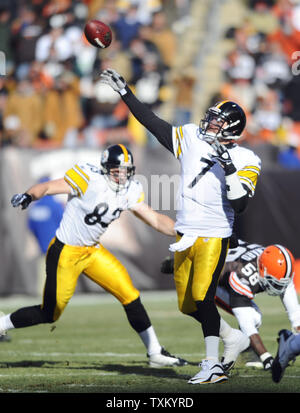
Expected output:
{"points": [[225, 329], [5, 323], [212, 347], [150, 341]]}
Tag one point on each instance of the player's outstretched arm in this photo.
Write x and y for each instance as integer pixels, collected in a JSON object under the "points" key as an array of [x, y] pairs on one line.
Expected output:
{"points": [[161, 129], [54, 187], [259, 348], [249, 320], [160, 222]]}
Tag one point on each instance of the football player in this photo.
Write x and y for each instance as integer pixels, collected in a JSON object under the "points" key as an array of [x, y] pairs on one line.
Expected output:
{"points": [[288, 349], [96, 197], [217, 179], [251, 269]]}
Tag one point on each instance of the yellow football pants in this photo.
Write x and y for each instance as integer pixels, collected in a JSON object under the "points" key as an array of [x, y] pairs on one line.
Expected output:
{"points": [[197, 270], [64, 264]]}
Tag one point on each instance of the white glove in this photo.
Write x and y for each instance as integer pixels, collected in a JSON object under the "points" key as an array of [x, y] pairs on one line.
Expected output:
{"points": [[114, 80], [185, 242]]}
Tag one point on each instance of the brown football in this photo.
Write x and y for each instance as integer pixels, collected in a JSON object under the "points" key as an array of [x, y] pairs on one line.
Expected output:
{"points": [[98, 33]]}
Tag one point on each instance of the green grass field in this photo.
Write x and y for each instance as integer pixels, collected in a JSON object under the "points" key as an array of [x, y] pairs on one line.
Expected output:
{"points": [[92, 349]]}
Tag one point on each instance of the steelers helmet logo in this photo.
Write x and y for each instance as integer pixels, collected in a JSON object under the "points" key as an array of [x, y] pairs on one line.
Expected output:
{"points": [[104, 157]]}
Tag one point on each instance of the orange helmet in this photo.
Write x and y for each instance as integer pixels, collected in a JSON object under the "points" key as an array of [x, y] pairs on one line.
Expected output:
{"points": [[276, 269]]}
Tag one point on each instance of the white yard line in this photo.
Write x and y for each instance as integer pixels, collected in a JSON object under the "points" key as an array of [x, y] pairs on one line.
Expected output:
{"points": [[58, 375], [88, 299], [106, 354]]}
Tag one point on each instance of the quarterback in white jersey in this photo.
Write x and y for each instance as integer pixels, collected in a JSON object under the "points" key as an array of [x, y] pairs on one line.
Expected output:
{"points": [[217, 179], [204, 208], [96, 197]]}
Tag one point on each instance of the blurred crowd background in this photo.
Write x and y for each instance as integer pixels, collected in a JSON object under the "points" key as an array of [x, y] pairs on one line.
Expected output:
{"points": [[179, 56]]}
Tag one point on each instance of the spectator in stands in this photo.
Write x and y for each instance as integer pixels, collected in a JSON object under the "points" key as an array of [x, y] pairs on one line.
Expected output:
{"points": [[5, 34], [164, 38], [183, 82], [148, 87], [138, 51], [272, 67], [267, 115], [26, 105], [127, 25], [26, 30], [287, 35], [62, 111], [53, 46]]}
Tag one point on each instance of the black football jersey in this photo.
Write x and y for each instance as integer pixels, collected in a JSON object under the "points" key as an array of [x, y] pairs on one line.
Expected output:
{"points": [[240, 274]]}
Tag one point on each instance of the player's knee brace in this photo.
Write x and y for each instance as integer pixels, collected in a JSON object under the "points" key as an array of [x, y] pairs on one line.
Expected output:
{"points": [[30, 316], [137, 315]]}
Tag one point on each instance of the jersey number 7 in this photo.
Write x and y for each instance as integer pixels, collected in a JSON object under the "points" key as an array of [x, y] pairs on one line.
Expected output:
{"points": [[202, 172]]}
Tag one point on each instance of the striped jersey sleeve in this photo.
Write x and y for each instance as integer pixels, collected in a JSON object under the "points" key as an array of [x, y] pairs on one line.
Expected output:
{"points": [[182, 136], [177, 141], [136, 194], [78, 180], [240, 288], [248, 176]]}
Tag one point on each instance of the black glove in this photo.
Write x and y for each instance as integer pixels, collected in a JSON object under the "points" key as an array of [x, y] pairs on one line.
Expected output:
{"points": [[21, 199], [167, 266], [223, 158], [268, 363], [113, 79]]}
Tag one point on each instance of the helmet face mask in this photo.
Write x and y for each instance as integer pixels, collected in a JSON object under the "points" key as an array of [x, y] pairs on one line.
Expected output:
{"points": [[224, 121], [276, 269], [274, 286], [117, 167], [212, 126]]}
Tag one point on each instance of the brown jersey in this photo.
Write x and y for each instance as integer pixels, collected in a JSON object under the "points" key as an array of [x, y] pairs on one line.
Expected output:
{"points": [[240, 274]]}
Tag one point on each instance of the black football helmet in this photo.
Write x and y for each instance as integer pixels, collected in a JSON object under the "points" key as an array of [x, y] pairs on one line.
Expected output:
{"points": [[117, 166], [224, 121]]}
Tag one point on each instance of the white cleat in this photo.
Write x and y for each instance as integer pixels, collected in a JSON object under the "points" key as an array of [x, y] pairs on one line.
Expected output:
{"points": [[165, 359], [233, 346], [211, 372], [2, 332]]}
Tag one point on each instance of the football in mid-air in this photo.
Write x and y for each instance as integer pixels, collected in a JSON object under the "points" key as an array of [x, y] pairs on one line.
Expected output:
{"points": [[98, 33]]}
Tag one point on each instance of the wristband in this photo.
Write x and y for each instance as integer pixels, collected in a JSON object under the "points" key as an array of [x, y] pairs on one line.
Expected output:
{"points": [[264, 356], [123, 91], [235, 189]]}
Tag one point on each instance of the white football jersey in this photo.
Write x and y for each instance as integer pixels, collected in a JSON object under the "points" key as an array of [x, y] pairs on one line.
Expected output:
{"points": [[202, 205], [93, 205]]}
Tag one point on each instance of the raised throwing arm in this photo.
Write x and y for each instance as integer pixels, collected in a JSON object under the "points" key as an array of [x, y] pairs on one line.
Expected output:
{"points": [[161, 129]]}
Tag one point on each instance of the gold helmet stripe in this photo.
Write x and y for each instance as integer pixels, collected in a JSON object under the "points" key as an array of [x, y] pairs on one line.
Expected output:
{"points": [[222, 103], [124, 151]]}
